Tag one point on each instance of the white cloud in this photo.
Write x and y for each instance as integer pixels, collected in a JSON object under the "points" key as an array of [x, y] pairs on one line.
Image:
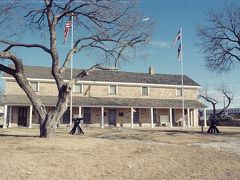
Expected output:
{"points": [[160, 44]]}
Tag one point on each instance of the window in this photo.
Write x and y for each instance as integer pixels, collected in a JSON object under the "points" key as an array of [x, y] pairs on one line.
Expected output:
{"points": [[35, 86], [179, 92], [113, 89], [145, 90], [77, 88], [121, 114]]}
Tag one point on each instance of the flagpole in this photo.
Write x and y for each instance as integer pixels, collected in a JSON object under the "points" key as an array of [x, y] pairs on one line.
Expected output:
{"points": [[181, 56], [71, 73]]}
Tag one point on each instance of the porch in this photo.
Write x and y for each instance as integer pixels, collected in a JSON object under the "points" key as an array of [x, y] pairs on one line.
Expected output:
{"points": [[107, 116], [120, 112]]}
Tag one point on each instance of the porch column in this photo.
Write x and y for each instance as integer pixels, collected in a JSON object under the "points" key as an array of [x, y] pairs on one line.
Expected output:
{"points": [[151, 110], [102, 117], [205, 117], [5, 117], [10, 117], [170, 117], [131, 117], [188, 117], [79, 111], [195, 117], [30, 117], [191, 117]]}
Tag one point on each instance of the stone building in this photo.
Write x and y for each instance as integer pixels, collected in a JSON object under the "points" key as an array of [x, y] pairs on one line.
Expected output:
{"points": [[108, 98]]}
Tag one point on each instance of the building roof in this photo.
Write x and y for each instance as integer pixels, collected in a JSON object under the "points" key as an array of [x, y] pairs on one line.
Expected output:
{"points": [[108, 102], [112, 76]]}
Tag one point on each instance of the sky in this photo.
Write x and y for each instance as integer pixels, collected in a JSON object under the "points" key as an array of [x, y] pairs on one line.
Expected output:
{"points": [[169, 15]]}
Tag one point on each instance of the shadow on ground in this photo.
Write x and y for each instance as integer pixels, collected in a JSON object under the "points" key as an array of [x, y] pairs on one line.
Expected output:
{"points": [[17, 135], [174, 132]]}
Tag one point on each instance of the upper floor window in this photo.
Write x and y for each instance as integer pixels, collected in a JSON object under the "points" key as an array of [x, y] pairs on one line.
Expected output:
{"points": [[145, 90], [113, 89], [77, 88], [179, 92], [35, 86]]}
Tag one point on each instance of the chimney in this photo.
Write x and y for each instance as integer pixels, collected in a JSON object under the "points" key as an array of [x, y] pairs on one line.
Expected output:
{"points": [[151, 70]]}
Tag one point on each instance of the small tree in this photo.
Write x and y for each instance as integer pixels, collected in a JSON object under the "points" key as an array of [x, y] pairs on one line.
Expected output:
{"points": [[214, 101], [108, 27], [220, 38]]}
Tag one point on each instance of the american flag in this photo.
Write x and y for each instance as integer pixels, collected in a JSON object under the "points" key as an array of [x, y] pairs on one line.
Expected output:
{"points": [[66, 30]]}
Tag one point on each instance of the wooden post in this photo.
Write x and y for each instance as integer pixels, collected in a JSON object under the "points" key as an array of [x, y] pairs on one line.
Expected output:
{"points": [[170, 116], [151, 110], [131, 117], [188, 117], [79, 111], [10, 117], [205, 117], [5, 117], [102, 117], [30, 116]]}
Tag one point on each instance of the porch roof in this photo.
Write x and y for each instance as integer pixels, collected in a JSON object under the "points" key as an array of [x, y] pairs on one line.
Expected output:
{"points": [[20, 100]]}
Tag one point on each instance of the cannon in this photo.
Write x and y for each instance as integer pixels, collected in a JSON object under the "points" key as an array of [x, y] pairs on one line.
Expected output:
{"points": [[77, 126]]}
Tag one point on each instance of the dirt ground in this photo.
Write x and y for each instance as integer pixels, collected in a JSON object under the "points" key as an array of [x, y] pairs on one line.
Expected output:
{"points": [[120, 153]]}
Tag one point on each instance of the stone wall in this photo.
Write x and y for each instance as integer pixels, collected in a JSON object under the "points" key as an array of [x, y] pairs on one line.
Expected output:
{"points": [[96, 90]]}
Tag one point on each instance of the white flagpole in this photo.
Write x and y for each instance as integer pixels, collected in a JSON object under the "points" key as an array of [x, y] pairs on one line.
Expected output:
{"points": [[71, 73], [181, 58]]}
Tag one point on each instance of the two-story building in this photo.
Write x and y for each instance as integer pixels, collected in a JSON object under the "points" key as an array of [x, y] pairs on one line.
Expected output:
{"points": [[106, 98]]}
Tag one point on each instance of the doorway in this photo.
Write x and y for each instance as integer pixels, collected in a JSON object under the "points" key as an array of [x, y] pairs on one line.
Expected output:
{"points": [[112, 117], [22, 116]]}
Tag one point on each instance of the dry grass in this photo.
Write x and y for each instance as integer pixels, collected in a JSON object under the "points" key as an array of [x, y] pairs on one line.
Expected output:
{"points": [[120, 154]]}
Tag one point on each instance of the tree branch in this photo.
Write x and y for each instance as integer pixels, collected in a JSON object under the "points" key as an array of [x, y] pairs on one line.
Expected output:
{"points": [[11, 45]]}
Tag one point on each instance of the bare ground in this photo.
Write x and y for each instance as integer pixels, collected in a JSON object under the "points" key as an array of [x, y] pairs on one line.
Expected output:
{"points": [[112, 153]]}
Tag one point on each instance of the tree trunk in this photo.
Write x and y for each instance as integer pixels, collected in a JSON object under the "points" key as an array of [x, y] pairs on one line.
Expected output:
{"points": [[49, 124]]}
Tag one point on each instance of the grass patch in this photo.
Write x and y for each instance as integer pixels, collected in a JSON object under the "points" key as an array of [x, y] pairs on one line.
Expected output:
{"points": [[120, 154]]}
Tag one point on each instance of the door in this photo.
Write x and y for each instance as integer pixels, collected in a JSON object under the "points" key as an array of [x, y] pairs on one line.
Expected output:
{"points": [[87, 115], [66, 117], [154, 116], [22, 116], [136, 116], [173, 116], [112, 117]]}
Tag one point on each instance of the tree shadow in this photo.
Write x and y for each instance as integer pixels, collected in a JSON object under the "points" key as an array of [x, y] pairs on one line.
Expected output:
{"points": [[171, 131], [177, 131], [17, 135]]}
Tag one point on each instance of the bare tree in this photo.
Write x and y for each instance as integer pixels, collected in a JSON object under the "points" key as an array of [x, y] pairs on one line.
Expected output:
{"points": [[223, 90], [108, 27], [220, 38]]}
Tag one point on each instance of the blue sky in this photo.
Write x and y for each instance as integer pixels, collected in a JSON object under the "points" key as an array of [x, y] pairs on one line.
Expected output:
{"points": [[170, 15], [159, 53]]}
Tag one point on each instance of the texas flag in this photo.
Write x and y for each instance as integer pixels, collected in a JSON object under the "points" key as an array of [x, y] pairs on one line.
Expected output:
{"points": [[179, 55], [177, 37]]}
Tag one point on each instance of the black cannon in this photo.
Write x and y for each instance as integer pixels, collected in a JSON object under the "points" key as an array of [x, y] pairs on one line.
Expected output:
{"points": [[213, 125], [77, 127]]}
